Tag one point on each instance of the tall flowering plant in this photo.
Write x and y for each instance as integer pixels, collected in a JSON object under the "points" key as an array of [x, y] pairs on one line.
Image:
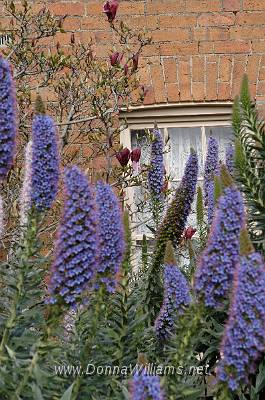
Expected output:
{"points": [[110, 236], [214, 275], [76, 249], [8, 117], [156, 174]]}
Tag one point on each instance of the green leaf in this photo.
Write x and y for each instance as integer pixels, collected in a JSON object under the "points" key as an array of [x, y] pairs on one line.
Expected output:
{"points": [[37, 395], [68, 393]]}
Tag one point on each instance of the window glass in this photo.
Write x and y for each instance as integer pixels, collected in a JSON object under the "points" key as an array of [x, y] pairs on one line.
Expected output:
{"points": [[181, 141], [223, 134]]}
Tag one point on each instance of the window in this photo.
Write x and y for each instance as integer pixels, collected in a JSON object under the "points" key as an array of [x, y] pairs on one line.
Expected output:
{"points": [[183, 126]]}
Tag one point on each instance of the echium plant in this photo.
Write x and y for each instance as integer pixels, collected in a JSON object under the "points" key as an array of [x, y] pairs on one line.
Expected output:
{"points": [[8, 117], [214, 275], [156, 174], [176, 297], [45, 161], [76, 249], [243, 342], [210, 169], [171, 229], [110, 236], [229, 158], [146, 387]]}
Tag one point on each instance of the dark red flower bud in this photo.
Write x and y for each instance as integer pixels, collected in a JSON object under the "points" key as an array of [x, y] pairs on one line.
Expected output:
{"points": [[126, 69], [115, 58], [110, 9], [136, 155], [144, 90], [123, 156], [189, 232], [72, 38], [135, 61]]}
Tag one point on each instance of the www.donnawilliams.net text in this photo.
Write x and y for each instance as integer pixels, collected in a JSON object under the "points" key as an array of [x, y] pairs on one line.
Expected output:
{"points": [[125, 370]]}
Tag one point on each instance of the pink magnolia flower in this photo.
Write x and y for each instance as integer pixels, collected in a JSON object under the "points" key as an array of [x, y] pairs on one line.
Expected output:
{"points": [[189, 232], [115, 58], [136, 154], [123, 156], [110, 9]]}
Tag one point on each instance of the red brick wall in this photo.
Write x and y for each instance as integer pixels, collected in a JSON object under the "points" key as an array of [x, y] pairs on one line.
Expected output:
{"points": [[200, 49]]}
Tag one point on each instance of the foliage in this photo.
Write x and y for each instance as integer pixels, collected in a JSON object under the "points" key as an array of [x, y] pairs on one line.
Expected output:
{"points": [[250, 162]]}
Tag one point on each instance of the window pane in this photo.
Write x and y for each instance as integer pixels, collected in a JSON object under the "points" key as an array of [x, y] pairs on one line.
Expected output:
{"points": [[223, 134], [181, 140]]}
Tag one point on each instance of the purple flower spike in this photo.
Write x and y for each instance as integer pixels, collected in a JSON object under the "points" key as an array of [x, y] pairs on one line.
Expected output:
{"points": [[211, 201], [216, 267], [156, 175], [45, 163], [146, 387], [75, 262], [8, 118], [111, 240], [176, 298], [229, 158], [244, 340], [210, 168]]}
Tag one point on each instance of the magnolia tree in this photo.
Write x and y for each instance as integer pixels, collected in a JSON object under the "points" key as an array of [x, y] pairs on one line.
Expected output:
{"points": [[83, 91], [78, 322]]}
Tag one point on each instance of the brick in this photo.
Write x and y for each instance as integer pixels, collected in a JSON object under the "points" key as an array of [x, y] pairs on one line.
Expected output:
{"points": [[232, 5], [247, 32], [258, 46], [158, 83], [198, 69], [150, 22], [170, 70], [171, 35], [206, 47], [198, 93], [261, 88], [232, 46], [94, 8], [253, 5], [156, 7], [253, 67], [238, 73], [211, 81], [150, 96], [62, 38], [151, 50], [199, 6], [225, 68], [172, 21], [262, 74], [4, 23], [73, 8], [226, 19], [218, 34], [72, 23], [185, 81], [173, 93], [127, 7], [144, 75], [94, 23], [199, 34], [172, 49], [261, 110], [250, 18], [224, 91]]}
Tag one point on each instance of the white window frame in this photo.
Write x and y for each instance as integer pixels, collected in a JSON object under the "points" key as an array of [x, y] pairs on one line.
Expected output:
{"points": [[180, 115]]}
